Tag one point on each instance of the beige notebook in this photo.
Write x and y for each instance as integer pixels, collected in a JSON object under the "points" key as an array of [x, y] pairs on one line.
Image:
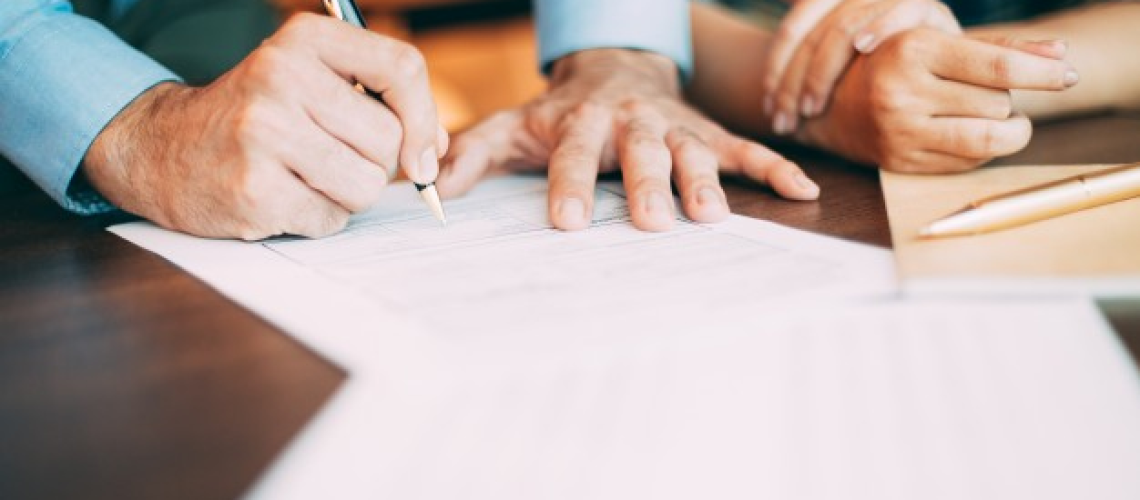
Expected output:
{"points": [[1096, 250]]}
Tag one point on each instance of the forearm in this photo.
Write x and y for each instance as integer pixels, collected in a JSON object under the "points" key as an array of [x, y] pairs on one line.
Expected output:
{"points": [[1102, 40], [727, 74]]}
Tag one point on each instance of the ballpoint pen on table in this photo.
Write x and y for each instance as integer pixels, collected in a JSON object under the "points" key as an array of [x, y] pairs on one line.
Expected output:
{"points": [[1036, 203]]}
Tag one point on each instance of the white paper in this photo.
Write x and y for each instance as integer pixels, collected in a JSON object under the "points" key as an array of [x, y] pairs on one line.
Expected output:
{"points": [[935, 400], [499, 271], [498, 358]]}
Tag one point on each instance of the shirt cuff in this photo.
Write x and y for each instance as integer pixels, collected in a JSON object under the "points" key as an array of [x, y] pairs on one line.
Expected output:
{"points": [[568, 26], [63, 78]]}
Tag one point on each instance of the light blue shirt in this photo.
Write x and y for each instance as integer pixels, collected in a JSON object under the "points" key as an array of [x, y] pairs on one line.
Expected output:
{"points": [[63, 77], [568, 26]]}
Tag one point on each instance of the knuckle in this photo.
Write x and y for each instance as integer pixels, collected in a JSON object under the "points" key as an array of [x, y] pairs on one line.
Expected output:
{"points": [[635, 107], [990, 139], [585, 111], [571, 151], [1003, 107], [690, 149], [841, 30], [639, 139], [269, 65], [1001, 67], [301, 26], [408, 62], [911, 45], [817, 83], [250, 123], [886, 98], [943, 9]]}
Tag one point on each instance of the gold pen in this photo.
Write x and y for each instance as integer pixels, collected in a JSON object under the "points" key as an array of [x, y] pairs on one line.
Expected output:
{"points": [[346, 11], [1037, 203]]}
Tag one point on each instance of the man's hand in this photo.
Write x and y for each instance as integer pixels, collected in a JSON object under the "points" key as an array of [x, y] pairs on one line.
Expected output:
{"points": [[928, 102], [611, 108], [817, 41], [280, 144]]}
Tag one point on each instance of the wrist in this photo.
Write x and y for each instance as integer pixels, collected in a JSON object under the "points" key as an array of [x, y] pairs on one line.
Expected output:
{"points": [[126, 143], [647, 67]]}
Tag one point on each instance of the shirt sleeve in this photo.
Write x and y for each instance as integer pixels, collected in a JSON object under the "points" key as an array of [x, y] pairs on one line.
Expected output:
{"points": [[63, 77], [568, 26]]}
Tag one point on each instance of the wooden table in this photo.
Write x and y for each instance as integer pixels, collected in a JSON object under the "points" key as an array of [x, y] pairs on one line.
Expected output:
{"points": [[122, 377]]}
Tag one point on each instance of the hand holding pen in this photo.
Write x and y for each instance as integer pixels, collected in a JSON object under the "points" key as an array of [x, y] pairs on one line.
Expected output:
{"points": [[280, 144], [425, 141]]}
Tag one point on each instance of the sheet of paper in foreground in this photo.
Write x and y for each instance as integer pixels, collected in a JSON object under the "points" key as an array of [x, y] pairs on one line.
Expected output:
{"points": [[935, 400], [499, 270]]}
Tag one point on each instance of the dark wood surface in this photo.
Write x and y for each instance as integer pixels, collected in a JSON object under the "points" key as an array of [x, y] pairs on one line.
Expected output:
{"points": [[122, 377]]}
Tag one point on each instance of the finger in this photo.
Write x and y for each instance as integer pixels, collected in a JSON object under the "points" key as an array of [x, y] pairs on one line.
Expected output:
{"points": [[305, 212], [979, 138], [950, 98], [389, 68], [331, 167], [903, 16], [919, 161], [828, 61], [788, 37], [280, 203], [765, 166], [646, 165], [1052, 49], [574, 167], [472, 154], [442, 141], [785, 118], [695, 171], [989, 65], [361, 122]]}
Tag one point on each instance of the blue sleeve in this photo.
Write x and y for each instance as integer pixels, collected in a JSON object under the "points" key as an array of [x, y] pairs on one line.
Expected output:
{"points": [[63, 77], [568, 26]]}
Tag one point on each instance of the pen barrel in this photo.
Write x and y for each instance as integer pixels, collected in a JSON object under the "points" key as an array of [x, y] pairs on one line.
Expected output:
{"points": [[346, 11], [1043, 202]]}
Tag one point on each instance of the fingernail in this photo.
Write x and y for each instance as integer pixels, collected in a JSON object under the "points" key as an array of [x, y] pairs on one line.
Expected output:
{"points": [[708, 196], [1071, 78], [428, 169], [573, 212], [863, 42], [781, 124], [806, 184], [769, 105], [807, 106]]}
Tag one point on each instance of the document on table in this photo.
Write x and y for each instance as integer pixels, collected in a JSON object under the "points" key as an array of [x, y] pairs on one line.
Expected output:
{"points": [[498, 358], [881, 401], [499, 270]]}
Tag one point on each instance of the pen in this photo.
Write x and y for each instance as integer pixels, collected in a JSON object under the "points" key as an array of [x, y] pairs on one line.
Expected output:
{"points": [[346, 11], [1040, 202]]}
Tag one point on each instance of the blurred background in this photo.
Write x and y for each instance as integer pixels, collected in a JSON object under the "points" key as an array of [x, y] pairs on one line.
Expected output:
{"points": [[481, 54]]}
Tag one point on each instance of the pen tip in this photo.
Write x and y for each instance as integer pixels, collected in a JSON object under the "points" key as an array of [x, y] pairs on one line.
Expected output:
{"points": [[431, 197]]}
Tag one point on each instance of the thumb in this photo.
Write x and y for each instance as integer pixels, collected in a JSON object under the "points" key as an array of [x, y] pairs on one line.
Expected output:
{"points": [[488, 146]]}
